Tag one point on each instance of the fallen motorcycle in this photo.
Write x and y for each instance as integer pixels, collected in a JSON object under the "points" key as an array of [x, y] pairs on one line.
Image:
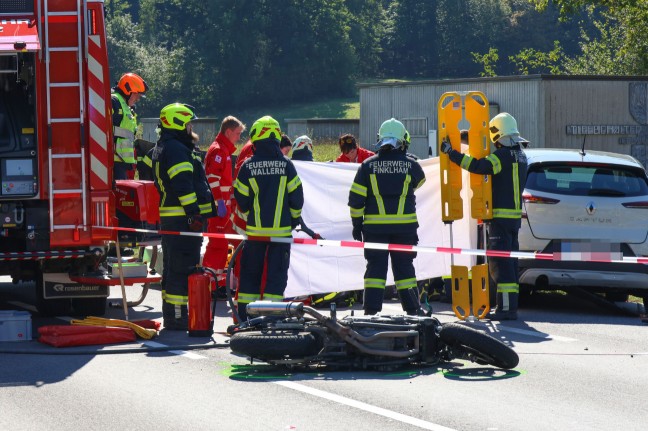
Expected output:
{"points": [[296, 335]]}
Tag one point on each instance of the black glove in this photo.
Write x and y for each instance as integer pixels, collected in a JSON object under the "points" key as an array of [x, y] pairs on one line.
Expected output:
{"points": [[195, 223], [357, 229], [294, 222], [446, 147]]}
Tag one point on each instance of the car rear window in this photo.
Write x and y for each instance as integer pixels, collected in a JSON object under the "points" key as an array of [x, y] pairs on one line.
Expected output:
{"points": [[587, 180]]}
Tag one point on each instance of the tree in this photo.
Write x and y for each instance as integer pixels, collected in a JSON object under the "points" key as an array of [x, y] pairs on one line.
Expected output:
{"points": [[533, 61], [411, 38], [619, 46], [158, 66]]}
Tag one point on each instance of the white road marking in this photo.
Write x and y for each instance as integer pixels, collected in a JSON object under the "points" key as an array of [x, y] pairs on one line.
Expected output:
{"points": [[364, 406], [533, 333], [184, 353]]}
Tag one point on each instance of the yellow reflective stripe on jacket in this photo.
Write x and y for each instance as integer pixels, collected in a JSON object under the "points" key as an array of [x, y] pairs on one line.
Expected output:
{"points": [[359, 190], [390, 218], [205, 208], [281, 193], [465, 161], [408, 283], [272, 298], [516, 186], [401, 200], [180, 167], [374, 283], [295, 213], [267, 231], [420, 184], [495, 161], [147, 161], [357, 212], [124, 134], [292, 186], [376, 192], [506, 213], [242, 188], [255, 204], [508, 288], [172, 212], [188, 199]]}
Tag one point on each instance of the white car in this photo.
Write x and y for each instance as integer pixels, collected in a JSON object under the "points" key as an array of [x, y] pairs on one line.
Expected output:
{"points": [[592, 205]]}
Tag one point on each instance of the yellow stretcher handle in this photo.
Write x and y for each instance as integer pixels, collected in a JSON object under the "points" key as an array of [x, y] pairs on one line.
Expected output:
{"points": [[449, 114], [460, 291], [476, 108]]}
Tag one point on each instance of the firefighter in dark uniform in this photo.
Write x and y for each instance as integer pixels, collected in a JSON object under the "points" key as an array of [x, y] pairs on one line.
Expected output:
{"points": [[128, 91], [269, 192], [508, 166], [383, 210], [185, 204]]}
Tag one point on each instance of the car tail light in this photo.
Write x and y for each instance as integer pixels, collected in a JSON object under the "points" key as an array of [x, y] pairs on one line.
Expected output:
{"points": [[534, 199], [639, 204]]}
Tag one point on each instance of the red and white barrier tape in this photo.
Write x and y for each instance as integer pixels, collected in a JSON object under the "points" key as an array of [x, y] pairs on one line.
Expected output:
{"points": [[38, 255], [583, 257]]}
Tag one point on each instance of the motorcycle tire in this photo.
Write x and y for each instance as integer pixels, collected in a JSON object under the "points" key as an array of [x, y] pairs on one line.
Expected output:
{"points": [[484, 348], [274, 345]]}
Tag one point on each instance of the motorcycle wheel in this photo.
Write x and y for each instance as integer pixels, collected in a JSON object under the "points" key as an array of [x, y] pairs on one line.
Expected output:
{"points": [[483, 348], [274, 345]]}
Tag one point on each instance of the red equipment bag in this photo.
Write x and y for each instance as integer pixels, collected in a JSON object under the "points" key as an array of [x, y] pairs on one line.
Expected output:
{"points": [[67, 336]]}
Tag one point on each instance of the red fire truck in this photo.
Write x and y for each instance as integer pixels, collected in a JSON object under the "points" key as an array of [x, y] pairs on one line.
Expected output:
{"points": [[56, 151]]}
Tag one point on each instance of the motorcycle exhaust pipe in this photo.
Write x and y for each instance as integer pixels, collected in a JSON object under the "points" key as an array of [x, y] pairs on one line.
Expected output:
{"points": [[279, 309]]}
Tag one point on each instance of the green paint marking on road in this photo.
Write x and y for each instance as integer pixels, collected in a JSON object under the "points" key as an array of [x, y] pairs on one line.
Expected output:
{"points": [[253, 372], [477, 374]]}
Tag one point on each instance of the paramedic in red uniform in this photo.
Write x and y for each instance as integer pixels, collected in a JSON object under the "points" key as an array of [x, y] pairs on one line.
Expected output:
{"points": [[218, 167], [350, 151]]}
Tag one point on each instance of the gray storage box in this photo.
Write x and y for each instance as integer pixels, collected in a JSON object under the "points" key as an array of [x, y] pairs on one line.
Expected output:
{"points": [[15, 325], [130, 269]]}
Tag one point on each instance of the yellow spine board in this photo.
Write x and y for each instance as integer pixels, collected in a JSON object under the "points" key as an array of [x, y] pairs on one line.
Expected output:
{"points": [[479, 287], [476, 108], [460, 291], [449, 114]]}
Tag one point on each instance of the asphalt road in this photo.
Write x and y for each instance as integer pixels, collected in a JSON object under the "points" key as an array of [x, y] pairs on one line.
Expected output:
{"points": [[581, 368]]}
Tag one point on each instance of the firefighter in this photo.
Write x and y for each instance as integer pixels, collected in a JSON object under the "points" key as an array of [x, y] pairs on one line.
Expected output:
{"points": [[350, 151], [185, 205], [218, 167], [128, 91], [269, 191], [302, 149], [508, 166], [383, 210]]}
